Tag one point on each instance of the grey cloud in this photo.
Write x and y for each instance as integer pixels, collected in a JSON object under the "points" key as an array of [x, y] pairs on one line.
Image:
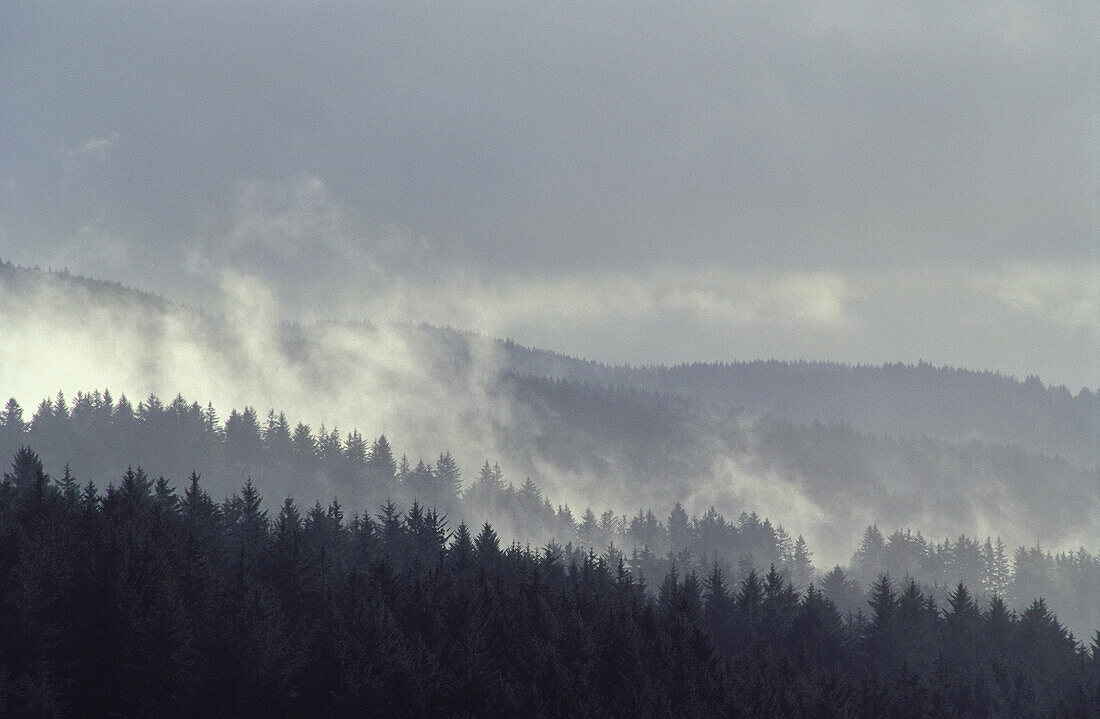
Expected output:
{"points": [[566, 134], [857, 181]]}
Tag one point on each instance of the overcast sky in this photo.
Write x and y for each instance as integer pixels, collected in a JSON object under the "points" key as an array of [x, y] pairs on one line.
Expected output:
{"points": [[864, 182]]}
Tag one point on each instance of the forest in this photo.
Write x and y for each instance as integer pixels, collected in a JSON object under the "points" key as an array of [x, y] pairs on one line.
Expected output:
{"points": [[549, 360], [824, 447], [906, 400], [96, 437], [143, 600], [405, 570]]}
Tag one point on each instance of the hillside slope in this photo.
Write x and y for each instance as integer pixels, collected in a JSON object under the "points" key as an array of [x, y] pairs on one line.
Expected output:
{"points": [[918, 400], [605, 437]]}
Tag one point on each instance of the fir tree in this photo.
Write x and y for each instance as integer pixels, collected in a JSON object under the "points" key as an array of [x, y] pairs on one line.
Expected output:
{"points": [[448, 476], [381, 464]]}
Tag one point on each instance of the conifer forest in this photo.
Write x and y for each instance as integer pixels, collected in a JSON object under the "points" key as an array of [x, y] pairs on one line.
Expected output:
{"points": [[550, 359], [142, 597]]}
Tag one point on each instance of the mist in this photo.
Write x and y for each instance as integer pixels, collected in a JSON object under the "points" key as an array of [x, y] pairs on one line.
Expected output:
{"points": [[819, 181], [432, 390], [289, 304], [567, 359]]}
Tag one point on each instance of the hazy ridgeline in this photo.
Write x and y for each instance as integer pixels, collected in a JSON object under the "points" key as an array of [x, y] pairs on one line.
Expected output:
{"points": [[93, 438], [825, 448], [902, 400], [144, 600]]}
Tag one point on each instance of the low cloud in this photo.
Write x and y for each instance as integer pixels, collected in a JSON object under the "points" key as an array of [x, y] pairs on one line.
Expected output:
{"points": [[307, 257], [1059, 295], [382, 377]]}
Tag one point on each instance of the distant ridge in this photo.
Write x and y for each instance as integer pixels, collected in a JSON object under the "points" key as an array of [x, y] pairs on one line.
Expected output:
{"points": [[895, 399], [936, 449], [905, 400]]}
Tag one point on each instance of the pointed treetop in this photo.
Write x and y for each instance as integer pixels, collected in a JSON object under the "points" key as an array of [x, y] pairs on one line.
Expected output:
{"points": [[487, 543]]}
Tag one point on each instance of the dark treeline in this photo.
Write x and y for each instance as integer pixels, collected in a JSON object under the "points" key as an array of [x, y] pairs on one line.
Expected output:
{"points": [[97, 436], [142, 601]]}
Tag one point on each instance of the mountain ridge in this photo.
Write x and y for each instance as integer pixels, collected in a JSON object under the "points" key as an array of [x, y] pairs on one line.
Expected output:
{"points": [[589, 436]]}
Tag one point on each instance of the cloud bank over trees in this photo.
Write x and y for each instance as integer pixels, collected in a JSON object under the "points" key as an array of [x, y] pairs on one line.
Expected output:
{"points": [[815, 180]]}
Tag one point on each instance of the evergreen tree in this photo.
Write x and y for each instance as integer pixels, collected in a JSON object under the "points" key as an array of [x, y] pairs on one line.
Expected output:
{"points": [[881, 637], [995, 579], [802, 570], [487, 545], [12, 427], [679, 533], [867, 563], [718, 608], [530, 497], [588, 531], [305, 448], [381, 465], [842, 591], [355, 449], [27, 476], [248, 526], [448, 477], [461, 552]]}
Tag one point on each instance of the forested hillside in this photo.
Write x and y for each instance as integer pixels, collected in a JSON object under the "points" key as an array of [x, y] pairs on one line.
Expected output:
{"points": [[582, 360], [913, 401], [594, 443], [145, 600], [95, 437], [608, 448]]}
